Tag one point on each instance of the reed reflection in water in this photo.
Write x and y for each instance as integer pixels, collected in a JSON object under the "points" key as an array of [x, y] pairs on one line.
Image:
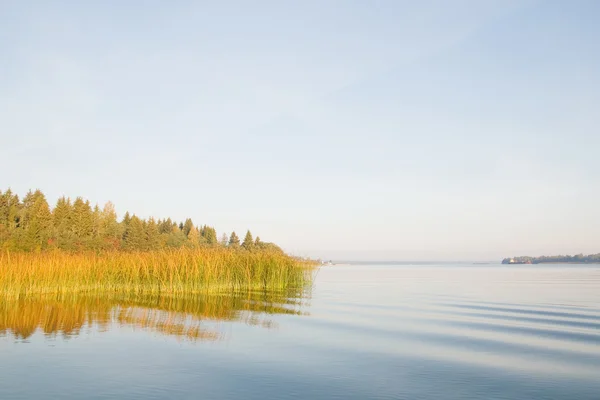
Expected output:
{"points": [[182, 316]]}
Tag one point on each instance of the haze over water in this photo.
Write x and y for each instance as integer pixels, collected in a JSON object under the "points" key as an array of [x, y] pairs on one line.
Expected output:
{"points": [[451, 331]]}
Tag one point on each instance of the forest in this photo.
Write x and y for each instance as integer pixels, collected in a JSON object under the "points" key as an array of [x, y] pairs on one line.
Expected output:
{"points": [[30, 224], [578, 258]]}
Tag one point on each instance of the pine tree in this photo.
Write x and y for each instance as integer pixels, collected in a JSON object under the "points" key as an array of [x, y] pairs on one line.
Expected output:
{"points": [[96, 221], [234, 240], [61, 215], [193, 237], [209, 234], [82, 220], [224, 240], [166, 226], [152, 235], [126, 219], [248, 243], [176, 238], [257, 242], [39, 223], [3, 221], [135, 235], [96, 241], [9, 218], [110, 230], [4, 204], [62, 221], [26, 205], [187, 226], [34, 222]]}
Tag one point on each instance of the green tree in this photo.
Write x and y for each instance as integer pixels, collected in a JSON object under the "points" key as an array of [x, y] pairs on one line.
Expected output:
{"points": [[110, 230], [83, 221], [9, 218], [62, 221], [5, 200], [234, 240], [96, 241], [134, 237], [271, 247], [176, 238], [166, 226], [126, 219], [152, 235], [187, 226], [209, 234], [96, 221], [35, 222], [248, 243], [38, 227], [224, 240], [193, 237]]}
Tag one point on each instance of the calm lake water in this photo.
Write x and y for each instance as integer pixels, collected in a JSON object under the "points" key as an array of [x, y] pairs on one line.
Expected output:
{"points": [[363, 331]]}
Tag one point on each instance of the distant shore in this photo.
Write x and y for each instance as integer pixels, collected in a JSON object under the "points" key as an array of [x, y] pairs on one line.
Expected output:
{"points": [[576, 259]]}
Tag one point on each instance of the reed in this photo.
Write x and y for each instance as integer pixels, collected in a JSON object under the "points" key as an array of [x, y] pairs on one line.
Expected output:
{"points": [[176, 271]]}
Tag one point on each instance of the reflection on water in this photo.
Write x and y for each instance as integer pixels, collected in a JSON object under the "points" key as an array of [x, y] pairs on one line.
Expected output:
{"points": [[180, 316], [452, 332]]}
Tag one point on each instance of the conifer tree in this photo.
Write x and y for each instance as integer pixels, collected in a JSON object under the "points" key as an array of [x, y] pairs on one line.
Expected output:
{"points": [[9, 217], [35, 220], [152, 235], [110, 230], [96, 221], [234, 240], [82, 220], [62, 221], [61, 215], [166, 226], [135, 235], [3, 220], [209, 234], [187, 226], [126, 219], [248, 243], [25, 209], [224, 240], [176, 238], [4, 204], [39, 223], [193, 237]]}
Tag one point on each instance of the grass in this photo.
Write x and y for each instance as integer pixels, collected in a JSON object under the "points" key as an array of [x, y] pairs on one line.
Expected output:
{"points": [[177, 271]]}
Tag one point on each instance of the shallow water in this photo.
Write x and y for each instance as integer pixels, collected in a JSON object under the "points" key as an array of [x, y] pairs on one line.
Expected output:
{"points": [[363, 331]]}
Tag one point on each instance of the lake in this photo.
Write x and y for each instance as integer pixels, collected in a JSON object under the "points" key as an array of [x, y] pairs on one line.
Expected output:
{"points": [[364, 331]]}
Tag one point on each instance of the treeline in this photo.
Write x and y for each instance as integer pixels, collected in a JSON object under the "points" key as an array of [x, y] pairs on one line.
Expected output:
{"points": [[578, 258], [31, 224]]}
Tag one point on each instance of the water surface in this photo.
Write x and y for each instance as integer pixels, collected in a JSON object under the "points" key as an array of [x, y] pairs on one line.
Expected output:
{"points": [[363, 331]]}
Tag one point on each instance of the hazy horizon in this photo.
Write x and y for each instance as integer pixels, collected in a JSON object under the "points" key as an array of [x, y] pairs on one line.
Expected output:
{"points": [[437, 130]]}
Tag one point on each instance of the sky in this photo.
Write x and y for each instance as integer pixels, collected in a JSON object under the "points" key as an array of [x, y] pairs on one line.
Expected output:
{"points": [[357, 130]]}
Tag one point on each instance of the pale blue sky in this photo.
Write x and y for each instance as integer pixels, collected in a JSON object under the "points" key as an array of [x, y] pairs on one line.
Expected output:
{"points": [[341, 129]]}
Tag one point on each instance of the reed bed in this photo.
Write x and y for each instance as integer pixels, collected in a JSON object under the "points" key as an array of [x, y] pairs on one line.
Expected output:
{"points": [[176, 271]]}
